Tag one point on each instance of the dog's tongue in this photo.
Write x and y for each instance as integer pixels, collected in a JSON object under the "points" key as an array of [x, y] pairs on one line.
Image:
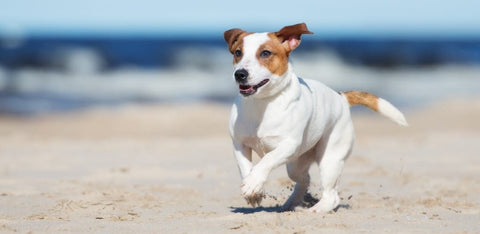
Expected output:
{"points": [[245, 88]]}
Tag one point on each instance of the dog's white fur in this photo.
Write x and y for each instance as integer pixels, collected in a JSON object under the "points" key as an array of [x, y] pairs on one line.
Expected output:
{"points": [[291, 121]]}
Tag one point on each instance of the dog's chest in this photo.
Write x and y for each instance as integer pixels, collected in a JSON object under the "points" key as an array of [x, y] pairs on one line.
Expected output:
{"points": [[263, 128], [261, 145], [263, 134]]}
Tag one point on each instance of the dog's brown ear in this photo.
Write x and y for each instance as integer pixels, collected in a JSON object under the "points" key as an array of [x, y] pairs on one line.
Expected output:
{"points": [[290, 35], [231, 36]]}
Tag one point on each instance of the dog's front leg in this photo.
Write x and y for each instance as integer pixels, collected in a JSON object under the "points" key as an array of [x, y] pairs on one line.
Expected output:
{"points": [[243, 155], [253, 183]]}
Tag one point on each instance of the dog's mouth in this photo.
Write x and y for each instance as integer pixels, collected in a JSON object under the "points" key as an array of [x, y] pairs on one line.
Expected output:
{"points": [[247, 90]]}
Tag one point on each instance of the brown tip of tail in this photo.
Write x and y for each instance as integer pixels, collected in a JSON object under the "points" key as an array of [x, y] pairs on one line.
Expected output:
{"points": [[362, 98]]}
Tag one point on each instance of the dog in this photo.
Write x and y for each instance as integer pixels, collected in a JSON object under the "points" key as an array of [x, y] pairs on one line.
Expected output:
{"points": [[289, 120]]}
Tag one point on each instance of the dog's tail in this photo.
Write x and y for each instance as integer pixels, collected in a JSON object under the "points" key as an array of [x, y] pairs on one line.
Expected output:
{"points": [[375, 103]]}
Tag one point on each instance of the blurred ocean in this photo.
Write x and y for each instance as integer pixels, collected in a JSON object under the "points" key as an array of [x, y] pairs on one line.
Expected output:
{"points": [[41, 75]]}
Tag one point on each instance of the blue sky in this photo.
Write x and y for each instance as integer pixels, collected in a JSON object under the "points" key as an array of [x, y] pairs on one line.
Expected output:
{"points": [[207, 17]]}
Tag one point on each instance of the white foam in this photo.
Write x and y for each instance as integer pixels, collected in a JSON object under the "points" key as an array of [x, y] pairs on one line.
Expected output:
{"points": [[210, 75]]}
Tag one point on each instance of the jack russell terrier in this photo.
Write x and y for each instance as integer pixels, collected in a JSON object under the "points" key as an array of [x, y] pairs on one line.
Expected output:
{"points": [[289, 120]]}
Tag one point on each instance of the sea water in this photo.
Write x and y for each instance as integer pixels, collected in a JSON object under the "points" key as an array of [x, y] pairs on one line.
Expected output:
{"points": [[41, 75]]}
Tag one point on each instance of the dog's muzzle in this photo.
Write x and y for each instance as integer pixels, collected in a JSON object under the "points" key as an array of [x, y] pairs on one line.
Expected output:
{"points": [[241, 76], [247, 90]]}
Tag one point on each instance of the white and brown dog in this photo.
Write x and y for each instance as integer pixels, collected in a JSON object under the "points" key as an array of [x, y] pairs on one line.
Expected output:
{"points": [[289, 120]]}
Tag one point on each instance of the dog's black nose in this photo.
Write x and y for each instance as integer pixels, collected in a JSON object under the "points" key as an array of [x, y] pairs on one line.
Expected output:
{"points": [[241, 75]]}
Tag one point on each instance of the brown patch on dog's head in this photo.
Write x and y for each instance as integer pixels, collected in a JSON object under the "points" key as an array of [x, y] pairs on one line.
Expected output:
{"points": [[233, 38], [273, 55], [279, 47]]}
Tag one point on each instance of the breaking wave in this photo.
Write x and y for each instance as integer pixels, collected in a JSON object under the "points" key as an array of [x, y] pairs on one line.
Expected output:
{"points": [[198, 74]]}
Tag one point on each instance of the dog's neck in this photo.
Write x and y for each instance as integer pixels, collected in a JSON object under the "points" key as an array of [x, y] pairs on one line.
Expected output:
{"points": [[281, 95], [286, 83]]}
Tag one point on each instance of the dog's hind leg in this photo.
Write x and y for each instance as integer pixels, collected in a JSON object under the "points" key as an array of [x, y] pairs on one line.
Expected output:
{"points": [[298, 171], [337, 148]]}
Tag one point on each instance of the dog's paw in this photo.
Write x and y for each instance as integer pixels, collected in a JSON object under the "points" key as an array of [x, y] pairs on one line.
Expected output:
{"points": [[255, 199], [326, 204], [252, 189]]}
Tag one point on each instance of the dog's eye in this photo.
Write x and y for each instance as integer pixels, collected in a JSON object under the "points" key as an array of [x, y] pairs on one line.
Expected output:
{"points": [[265, 53], [237, 53]]}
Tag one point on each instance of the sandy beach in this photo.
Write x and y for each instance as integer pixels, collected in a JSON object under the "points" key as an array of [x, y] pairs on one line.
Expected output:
{"points": [[169, 169]]}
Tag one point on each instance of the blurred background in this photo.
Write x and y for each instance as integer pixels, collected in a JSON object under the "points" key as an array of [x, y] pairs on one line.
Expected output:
{"points": [[67, 55]]}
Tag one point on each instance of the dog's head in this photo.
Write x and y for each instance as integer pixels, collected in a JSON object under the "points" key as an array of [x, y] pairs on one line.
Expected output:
{"points": [[261, 59]]}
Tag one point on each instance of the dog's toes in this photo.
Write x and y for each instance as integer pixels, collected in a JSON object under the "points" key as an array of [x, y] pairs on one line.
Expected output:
{"points": [[323, 207], [255, 199], [250, 201], [259, 199]]}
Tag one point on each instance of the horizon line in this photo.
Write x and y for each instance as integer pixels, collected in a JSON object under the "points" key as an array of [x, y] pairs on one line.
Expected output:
{"points": [[323, 33]]}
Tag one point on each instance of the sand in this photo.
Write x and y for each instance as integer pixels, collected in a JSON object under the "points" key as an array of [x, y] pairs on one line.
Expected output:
{"points": [[170, 169]]}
